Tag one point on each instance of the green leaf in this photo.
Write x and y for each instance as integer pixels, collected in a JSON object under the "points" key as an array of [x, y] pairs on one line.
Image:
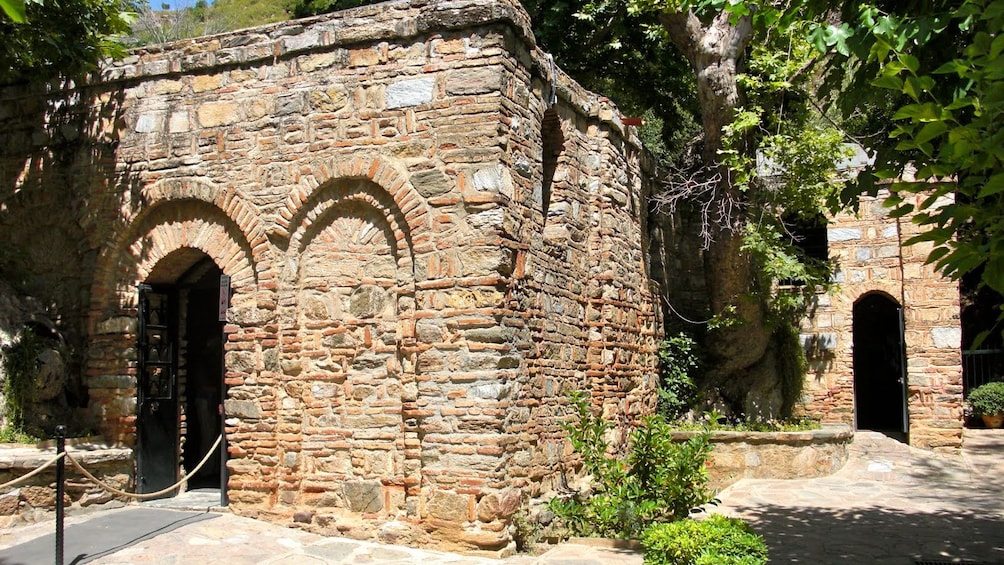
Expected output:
{"points": [[936, 254], [891, 82], [901, 211], [954, 66], [14, 10], [930, 131], [927, 112], [910, 62], [994, 185]]}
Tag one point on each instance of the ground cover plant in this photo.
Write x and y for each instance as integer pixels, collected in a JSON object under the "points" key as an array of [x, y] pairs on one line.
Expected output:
{"points": [[715, 540]]}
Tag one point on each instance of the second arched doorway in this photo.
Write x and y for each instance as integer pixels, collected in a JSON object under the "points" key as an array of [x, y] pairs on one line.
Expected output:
{"points": [[879, 364]]}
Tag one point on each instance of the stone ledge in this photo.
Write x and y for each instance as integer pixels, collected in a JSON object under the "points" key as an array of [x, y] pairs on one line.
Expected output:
{"points": [[393, 20], [829, 433], [34, 499], [775, 455], [27, 458]]}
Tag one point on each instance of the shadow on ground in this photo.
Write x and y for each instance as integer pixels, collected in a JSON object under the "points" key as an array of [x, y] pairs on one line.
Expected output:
{"points": [[876, 535]]}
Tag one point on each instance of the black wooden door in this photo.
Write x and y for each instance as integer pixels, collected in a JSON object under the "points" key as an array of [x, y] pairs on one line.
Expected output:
{"points": [[157, 422]]}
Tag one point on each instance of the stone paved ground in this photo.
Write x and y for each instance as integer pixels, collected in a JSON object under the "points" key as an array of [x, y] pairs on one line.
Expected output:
{"points": [[890, 504]]}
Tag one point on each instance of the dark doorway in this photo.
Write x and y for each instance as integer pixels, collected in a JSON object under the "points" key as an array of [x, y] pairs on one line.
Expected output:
{"points": [[204, 377], [181, 374], [879, 363]]}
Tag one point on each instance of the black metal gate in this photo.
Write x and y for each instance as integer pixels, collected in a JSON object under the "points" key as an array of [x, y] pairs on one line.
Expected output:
{"points": [[157, 420]]}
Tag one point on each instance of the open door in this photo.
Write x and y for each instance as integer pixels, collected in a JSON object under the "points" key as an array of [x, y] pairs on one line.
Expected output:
{"points": [[157, 417], [180, 385], [879, 365]]}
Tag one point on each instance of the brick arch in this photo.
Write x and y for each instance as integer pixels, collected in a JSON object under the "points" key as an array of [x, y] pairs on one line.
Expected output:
{"points": [[209, 237], [884, 293], [160, 230], [328, 199], [410, 212], [229, 201]]}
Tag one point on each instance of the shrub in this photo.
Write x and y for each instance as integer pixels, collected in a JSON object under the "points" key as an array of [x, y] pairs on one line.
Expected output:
{"points": [[716, 540], [678, 361], [657, 480], [987, 399]]}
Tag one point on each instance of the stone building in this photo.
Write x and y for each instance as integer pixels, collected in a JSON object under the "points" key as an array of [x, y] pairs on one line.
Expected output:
{"points": [[387, 241], [885, 346]]}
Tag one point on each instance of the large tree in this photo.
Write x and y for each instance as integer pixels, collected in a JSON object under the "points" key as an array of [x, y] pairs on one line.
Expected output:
{"points": [[748, 62]]}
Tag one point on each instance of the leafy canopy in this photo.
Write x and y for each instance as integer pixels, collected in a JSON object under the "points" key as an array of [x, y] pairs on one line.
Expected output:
{"points": [[938, 67], [45, 38]]}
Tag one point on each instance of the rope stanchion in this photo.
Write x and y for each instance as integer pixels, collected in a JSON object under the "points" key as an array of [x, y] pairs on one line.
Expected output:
{"points": [[60, 492], [148, 495], [23, 478]]}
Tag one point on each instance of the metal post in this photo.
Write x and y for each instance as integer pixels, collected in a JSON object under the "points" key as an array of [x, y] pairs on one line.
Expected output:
{"points": [[60, 490], [224, 307]]}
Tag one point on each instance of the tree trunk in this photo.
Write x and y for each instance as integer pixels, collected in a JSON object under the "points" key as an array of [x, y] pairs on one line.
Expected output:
{"points": [[741, 370]]}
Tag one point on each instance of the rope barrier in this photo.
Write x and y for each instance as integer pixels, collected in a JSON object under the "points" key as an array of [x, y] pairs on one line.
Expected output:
{"points": [[148, 495], [31, 474]]}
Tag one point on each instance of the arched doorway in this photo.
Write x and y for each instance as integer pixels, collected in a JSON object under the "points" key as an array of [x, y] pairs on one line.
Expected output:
{"points": [[879, 364], [180, 388]]}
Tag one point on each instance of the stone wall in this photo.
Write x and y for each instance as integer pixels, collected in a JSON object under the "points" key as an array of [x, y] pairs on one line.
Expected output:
{"points": [[34, 500], [432, 236], [870, 256]]}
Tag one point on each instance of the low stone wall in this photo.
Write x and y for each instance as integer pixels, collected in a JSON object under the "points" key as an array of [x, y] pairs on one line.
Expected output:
{"points": [[775, 455], [35, 499]]}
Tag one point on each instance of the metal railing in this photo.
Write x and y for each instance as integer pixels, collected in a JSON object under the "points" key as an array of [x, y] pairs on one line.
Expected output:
{"points": [[981, 366]]}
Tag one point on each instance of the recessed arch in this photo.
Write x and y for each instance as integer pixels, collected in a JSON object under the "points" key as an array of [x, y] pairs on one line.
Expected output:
{"points": [[387, 184], [552, 145]]}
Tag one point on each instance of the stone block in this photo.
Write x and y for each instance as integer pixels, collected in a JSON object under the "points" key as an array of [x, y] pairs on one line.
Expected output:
{"points": [[311, 63], [39, 497], [213, 114], [408, 93], [449, 506], [949, 337], [368, 301], [363, 496], [431, 183], [243, 409], [364, 57], [836, 235], [290, 104], [202, 83], [466, 82], [330, 99], [150, 122], [9, 502]]}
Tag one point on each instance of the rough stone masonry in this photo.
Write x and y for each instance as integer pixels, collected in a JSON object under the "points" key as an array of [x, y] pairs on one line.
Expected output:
{"points": [[432, 236]]}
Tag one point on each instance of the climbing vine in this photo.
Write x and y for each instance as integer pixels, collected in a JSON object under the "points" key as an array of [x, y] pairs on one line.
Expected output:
{"points": [[20, 364]]}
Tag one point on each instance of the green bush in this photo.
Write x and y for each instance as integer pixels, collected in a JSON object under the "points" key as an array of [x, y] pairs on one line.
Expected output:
{"points": [[987, 399], [657, 480], [678, 362], [716, 540]]}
